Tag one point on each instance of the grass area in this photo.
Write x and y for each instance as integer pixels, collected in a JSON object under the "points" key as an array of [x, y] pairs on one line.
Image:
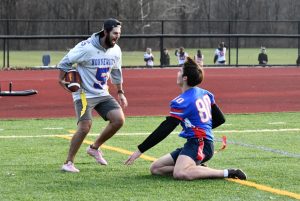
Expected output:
{"points": [[281, 56], [30, 166]]}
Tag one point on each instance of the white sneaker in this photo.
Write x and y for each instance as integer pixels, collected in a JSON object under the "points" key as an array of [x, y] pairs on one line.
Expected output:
{"points": [[97, 155], [69, 167]]}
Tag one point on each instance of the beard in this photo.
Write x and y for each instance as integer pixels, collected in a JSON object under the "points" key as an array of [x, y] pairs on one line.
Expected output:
{"points": [[108, 42]]}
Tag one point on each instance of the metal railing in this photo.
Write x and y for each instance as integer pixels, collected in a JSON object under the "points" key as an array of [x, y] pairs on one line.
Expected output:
{"points": [[161, 37]]}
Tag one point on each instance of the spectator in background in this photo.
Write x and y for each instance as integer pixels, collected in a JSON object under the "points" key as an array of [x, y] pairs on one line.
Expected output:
{"points": [[220, 54], [199, 58], [181, 55], [298, 60], [262, 56], [165, 58], [149, 58]]}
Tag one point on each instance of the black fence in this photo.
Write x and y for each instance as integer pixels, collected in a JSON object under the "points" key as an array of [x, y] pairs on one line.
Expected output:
{"points": [[148, 27], [233, 41]]}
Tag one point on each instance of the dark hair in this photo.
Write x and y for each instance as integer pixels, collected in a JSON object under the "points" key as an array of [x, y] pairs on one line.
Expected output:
{"points": [[193, 71], [108, 26], [110, 23]]}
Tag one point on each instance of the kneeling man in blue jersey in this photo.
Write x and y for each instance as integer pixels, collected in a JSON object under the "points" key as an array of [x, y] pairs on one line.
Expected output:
{"points": [[197, 112], [97, 59]]}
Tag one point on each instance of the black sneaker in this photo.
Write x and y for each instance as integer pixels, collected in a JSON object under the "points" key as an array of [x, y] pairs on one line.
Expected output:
{"points": [[236, 174]]}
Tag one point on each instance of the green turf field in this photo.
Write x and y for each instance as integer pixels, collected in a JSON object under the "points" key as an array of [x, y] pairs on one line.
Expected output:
{"points": [[282, 56], [265, 146]]}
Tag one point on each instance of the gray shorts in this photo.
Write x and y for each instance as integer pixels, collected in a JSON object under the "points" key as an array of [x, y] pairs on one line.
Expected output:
{"points": [[101, 104]]}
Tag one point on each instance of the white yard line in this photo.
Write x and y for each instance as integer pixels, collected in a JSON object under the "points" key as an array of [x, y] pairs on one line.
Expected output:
{"points": [[147, 133], [259, 130], [293, 155], [277, 123], [50, 128]]}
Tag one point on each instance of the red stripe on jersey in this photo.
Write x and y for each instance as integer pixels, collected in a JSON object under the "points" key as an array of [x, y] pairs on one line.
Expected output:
{"points": [[176, 110], [175, 116], [199, 133], [200, 155]]}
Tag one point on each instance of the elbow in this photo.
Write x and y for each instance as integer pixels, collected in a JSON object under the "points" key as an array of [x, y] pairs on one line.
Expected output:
{"points": [[223, 120]]}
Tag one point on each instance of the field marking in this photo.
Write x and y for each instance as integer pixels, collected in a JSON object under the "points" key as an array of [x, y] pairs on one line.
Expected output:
{"points": [[242, 182], [267, 149], [50, 128], [29, 136], [259, 130], [277, 151], [116, 149], [148, 133], [276, 123], [266, 188]]}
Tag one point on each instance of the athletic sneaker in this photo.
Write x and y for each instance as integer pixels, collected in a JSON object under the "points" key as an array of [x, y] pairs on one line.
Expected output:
{"points": [[236, 174], [97, 155], [69, 167]]}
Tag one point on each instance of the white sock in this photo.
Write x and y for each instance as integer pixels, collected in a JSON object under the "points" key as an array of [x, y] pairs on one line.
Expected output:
{"points": [[225, 173]]}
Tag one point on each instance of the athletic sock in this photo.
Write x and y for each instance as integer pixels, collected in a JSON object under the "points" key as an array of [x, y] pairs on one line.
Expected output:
{"points": [[226, 173]]}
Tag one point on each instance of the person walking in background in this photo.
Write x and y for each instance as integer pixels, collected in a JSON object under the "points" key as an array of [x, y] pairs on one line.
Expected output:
{"points": [[181, 55], [149, 58], [199, 57], [263, 57], [220, 54], [197, 112], [97, 58], [298, 60], [165, 58]]}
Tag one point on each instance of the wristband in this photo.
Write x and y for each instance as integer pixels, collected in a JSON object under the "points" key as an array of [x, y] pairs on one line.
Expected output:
{"points": [[120, 91]]}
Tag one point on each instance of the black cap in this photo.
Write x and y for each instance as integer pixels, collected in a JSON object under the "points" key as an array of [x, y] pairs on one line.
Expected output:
{"points": [[110, 23]]}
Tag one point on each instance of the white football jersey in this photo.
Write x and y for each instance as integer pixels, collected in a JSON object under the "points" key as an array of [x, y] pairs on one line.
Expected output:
{"points": [[94, 65]]}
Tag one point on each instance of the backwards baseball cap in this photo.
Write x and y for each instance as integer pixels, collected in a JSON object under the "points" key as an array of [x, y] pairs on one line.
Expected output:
{"points": [[110, 23]]}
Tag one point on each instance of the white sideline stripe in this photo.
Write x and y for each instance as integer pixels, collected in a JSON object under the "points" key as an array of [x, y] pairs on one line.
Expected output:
{"points": [[275, 123], [45, 136], [59, 128], [1, 129], [259, 130], [148, 133], [31, 136]]}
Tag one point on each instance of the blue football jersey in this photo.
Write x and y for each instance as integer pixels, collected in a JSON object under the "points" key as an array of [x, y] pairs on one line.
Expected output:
{"points": [[193, 108]]}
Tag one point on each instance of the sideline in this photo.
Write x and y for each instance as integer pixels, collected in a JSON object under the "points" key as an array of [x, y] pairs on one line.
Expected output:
{"points": [[242, 182], [262, 148]]}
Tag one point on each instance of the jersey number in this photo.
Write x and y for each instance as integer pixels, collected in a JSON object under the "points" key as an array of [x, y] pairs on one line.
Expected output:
{"points": [[101, 76], [204, 108]]}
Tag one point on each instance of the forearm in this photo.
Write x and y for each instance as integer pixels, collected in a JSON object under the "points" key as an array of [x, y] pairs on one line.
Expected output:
{"points": [[218, 117], [119, 88], [215, 58], [160, 133], [61, 77]]}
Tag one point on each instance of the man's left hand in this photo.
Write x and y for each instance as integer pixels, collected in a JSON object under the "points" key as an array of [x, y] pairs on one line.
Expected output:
{"points": [[122, 100]]}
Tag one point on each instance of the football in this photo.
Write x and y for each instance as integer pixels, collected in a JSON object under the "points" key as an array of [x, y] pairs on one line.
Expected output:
{"points": [[73, 80]]}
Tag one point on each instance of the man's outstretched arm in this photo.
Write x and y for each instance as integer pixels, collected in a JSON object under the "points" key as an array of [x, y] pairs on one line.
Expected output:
{"points": [[160, 133]]}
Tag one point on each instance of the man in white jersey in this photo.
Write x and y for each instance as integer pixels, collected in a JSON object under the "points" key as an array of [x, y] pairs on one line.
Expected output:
{"points": [[220, 54], [98, 58]]}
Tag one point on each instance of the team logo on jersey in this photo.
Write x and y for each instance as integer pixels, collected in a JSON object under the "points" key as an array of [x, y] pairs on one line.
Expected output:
{"points": [[103, 62]]}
